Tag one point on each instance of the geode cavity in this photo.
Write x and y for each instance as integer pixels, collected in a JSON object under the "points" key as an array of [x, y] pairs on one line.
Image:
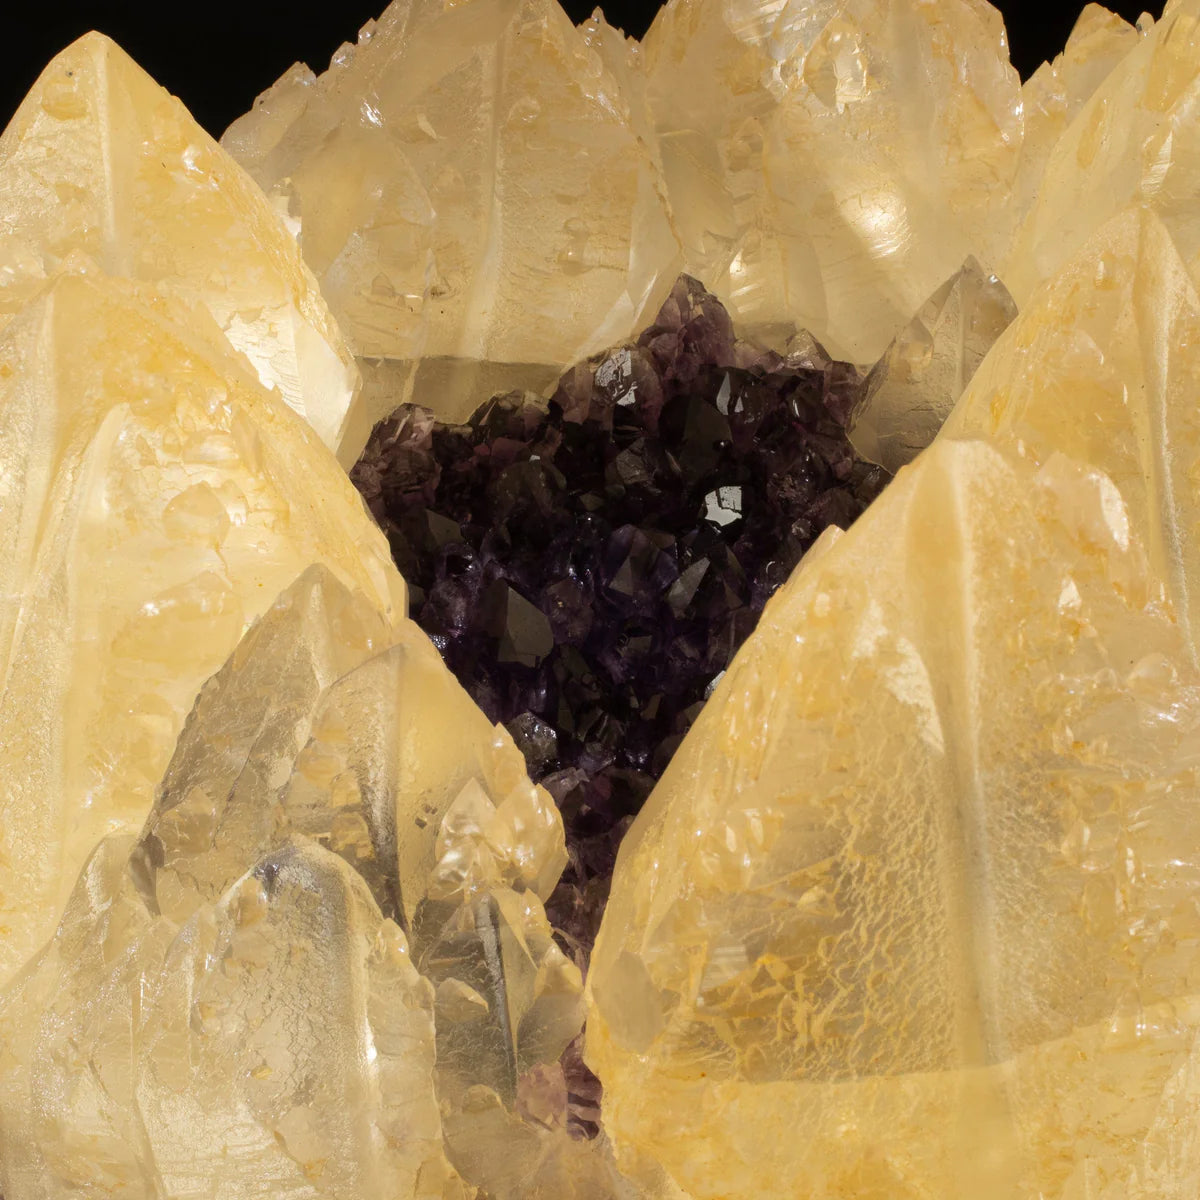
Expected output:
{"points": [[589, 565]]}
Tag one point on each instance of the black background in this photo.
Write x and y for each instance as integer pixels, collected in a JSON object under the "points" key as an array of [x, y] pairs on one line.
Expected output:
{"points": [[217, 55]]}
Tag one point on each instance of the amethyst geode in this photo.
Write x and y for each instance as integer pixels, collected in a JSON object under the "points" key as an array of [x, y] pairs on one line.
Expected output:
{"points": [[590, 564]]}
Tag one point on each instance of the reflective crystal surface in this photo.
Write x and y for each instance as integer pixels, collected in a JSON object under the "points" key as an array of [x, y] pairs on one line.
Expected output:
{"points": [[470, 184], [910, 913], [337, 888], [911, 390], [153, 501], [776, 217], [100, 163], [1135, 140]]}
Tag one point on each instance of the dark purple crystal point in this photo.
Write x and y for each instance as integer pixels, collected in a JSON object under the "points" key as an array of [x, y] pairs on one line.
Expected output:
{"points": [[590, 564]]}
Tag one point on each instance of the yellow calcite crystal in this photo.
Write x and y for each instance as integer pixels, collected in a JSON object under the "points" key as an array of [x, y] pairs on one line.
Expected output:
{"points": [[829, 166], [153, 500], [1104, 365], [100, 162], [910, 914], [1134, 141], [469, 185], [1054, 94], [322, 969]]}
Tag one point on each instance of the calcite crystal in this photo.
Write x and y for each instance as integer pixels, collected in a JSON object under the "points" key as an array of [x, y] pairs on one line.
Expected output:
{"points": [[515, 191], [469, 184], [153, 500], [1134, 141], [775, 215], [912, 389], [911, 913], [232, 1005], [1052, 97], [99, 163], [589, 565], [1104, 365]]}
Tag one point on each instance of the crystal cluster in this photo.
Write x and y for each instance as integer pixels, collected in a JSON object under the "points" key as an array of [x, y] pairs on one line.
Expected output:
{"points": [[154, 499], [911, 911], [325, 942], [486, 187], [474, 186], [589, 565]]}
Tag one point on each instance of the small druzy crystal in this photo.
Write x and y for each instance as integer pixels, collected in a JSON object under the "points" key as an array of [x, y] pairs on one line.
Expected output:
{"points": [[589, 565]]}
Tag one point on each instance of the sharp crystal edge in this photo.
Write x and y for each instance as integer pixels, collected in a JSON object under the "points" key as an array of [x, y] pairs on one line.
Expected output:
{"points": [[154, 499], [911, 912], [100, 164]]}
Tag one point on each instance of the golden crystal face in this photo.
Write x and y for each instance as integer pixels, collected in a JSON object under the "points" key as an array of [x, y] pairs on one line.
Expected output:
{"points": [[240, 970], [100, 164], [910, 909], [911, 914], [155, 500], [1132, 142], [775, 216], [495, 215]]}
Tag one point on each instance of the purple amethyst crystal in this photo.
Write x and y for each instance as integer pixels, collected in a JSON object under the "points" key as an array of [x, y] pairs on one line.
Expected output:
{"points": [[589, 565]]}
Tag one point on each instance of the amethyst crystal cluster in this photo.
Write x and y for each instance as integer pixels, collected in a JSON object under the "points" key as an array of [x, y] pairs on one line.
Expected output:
{"points": [[590, 564]]}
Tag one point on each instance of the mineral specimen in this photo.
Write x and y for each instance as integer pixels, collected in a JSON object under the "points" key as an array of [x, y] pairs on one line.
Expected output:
{"points": [[589, 566], [241, 970], [100, 163], [1052, 97], [913, 387], [153, 500], [470, 187], [911, 913]]}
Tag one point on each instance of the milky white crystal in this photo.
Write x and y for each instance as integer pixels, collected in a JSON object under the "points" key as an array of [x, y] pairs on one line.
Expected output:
{"points": [[153, 500], [99, 162], [469, 185]]}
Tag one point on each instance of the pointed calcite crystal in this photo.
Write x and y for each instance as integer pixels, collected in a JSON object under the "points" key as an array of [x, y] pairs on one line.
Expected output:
{"points": [[1135, 141], [100, 163], [323, 968], [153, 500], [911, 914], [911, 390], [469, 184], [839, 161], [1054, 94]]}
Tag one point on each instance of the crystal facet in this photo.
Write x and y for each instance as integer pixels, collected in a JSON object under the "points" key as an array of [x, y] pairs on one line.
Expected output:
{"points": [[232, 1006], [469, 184], [100, 163], [913, 387], [910, 913], [153, 500]]}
